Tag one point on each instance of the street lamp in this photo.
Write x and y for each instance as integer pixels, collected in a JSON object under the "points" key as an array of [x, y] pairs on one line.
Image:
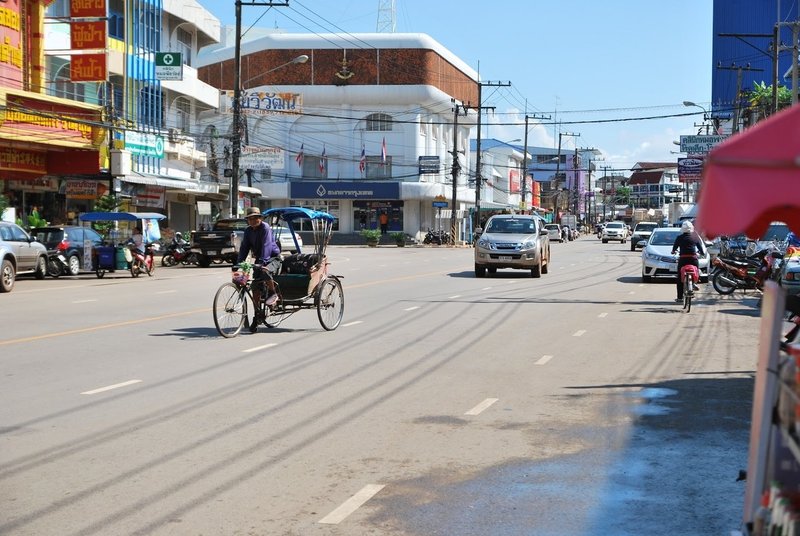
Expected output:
{"points": [[705, 113], [236, 138]]}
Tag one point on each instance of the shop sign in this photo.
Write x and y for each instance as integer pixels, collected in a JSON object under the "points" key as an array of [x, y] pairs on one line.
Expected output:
{"points": [[344, 190], [86, 35], [34, 185], [144, 143], [169, 66], [261, 103], [429, 164], [690, 168], [149, 196], [45, 120], [88, 68], [10, 46], [513, 181], [700, 144], [262, 158], [23, 160], [87, 8], [79, 189]]}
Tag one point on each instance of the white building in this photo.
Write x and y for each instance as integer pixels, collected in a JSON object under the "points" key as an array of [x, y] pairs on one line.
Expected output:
{"points": [[386, 96]]}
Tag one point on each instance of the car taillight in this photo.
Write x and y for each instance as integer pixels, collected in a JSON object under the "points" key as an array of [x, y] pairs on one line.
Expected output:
{"points": [[63, 245]]}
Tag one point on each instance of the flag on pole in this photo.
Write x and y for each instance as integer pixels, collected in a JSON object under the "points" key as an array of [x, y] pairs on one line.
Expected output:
{"points": [[383, 151], [362, 164], [322, 161], [299, 157]]}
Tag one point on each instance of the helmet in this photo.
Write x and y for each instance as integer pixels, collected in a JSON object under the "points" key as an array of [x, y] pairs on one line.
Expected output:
{"points": [[178, 235], [687, 227]]}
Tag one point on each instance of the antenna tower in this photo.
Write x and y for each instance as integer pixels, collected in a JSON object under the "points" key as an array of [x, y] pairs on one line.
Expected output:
{"points": [[387, 22]]}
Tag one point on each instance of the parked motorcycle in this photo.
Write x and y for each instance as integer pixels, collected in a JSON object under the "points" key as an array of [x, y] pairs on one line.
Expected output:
{"points": [[143, 262], [178, 252], [56, 265], [436, 237], [749, 274]]}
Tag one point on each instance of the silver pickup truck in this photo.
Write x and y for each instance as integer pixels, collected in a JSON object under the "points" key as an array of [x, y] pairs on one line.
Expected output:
{"points": [[513, 241]]}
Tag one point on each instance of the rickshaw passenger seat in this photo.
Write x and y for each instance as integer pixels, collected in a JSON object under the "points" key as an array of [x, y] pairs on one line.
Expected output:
{"points": [[299, 263]]}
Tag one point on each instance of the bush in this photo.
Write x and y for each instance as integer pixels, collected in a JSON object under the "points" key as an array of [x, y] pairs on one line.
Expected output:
{"points": [[371, 235]]}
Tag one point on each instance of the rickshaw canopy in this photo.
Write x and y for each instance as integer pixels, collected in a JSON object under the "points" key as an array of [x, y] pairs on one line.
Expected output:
{"points": [[120, 216], [290, 214]]}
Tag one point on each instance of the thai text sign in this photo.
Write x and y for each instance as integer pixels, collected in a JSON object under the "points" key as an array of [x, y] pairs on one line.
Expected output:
{"points": [[262, 158], [344, 190], [87, 8], [699, 144], [50, 120], [88, 67], [23, 160], [144, 143], [689, 168], [169, 66], [260, 103], [10, 46], [429, 164], [78, 189], [85, 35]]}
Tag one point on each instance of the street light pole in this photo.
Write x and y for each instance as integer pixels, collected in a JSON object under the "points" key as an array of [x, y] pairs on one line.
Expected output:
{"points": [[705, 113]]}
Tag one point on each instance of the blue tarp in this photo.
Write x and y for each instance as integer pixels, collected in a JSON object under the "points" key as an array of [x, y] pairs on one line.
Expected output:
{"points": [[293, 213], [120, 216]]}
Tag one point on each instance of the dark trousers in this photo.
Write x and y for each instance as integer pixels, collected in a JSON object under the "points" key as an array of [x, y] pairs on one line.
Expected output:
{"points": [[683, 261]]}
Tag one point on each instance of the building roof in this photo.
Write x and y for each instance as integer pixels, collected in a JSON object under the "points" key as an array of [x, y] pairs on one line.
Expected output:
{"points": [[646, 177], [654, 165]]}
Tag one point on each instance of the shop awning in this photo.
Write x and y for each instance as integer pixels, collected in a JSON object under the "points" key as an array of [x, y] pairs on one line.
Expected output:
{"points": [[250, 190], [160, 181]]}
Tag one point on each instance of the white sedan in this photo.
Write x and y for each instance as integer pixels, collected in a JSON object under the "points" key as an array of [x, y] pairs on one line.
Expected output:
{"points": [[658, 260], [284, 238]]}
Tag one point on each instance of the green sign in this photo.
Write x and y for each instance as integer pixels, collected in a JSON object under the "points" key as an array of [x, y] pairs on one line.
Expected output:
{"points": [[144, 143], [169, 66]]}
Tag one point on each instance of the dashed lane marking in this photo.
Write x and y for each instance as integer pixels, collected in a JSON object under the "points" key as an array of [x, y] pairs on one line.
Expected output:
{"points": [[454, 296], [411, 308], [353, 323], [602, 315], [544, 359], [352, 504], [482, 406], [579, 333], [84, 301], [110, 387], [262, 347]]}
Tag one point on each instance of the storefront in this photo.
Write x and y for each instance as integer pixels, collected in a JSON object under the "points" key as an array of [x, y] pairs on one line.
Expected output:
{"points": [[49, 149]]}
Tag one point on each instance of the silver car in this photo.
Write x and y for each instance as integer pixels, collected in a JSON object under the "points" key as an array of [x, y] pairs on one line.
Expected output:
{"points": [[517, 241], [658, 260], [19, 254]]}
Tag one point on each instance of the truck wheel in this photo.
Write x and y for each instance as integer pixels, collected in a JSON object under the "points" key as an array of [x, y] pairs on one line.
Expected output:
{"points": [[480, 271], [203, 261]]}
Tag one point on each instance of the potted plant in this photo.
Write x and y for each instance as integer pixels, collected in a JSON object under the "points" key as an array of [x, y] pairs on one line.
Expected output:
{"points": [[399, 238], [372, 236]]}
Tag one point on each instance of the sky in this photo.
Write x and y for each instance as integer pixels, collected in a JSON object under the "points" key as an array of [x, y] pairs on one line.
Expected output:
{"points": [[594, 68]]}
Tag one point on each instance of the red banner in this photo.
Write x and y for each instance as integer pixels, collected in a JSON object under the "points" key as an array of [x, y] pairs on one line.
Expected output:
{"points": [[87, 35], [87, 8], [23, 160], [88, 68]]}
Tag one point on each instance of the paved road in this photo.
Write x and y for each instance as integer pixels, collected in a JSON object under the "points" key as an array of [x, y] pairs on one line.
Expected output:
{"points": [[580, 403]]}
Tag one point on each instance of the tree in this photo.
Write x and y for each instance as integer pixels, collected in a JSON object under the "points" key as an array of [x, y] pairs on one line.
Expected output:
{"points": [[105, 203], [760, 101]]}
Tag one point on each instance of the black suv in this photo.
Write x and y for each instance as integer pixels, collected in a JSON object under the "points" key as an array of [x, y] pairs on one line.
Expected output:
{"points": [[642, 231], [69, 240]]}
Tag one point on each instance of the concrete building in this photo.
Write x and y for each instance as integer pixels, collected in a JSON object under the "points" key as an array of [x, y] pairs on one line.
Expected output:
{"points": [[365, 126]]}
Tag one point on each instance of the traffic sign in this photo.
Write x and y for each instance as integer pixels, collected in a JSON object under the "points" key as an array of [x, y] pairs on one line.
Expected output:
{"points": [[169, 66], [699, 144]]}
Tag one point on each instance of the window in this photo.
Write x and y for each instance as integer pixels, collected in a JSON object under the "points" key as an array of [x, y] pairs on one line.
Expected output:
{"points": [[324, 205], [183, 114], [311, 167], [377, 169], [59, 8], [379, 122], [184, 39]]}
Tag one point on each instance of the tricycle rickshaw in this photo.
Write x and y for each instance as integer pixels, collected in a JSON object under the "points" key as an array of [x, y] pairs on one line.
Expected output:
{"points": [[303, 282], [104, 258]]}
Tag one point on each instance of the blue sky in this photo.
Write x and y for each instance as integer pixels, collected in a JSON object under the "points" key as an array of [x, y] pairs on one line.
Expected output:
{"points": [[572, 60]]}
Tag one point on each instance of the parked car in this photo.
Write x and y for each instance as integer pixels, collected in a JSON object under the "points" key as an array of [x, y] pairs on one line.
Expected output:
{"points": [[284, 238], [71, 241], [658, 260], [554, 232], [517, 241], [641, 233], [19, 254], [615, 230]]}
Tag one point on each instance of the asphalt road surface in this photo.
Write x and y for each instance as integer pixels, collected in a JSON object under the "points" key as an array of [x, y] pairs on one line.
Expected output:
{"points": [[580, 403]]}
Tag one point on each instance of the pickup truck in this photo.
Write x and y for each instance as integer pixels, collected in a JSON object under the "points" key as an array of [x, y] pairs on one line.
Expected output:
{"points": [[220, 244]]}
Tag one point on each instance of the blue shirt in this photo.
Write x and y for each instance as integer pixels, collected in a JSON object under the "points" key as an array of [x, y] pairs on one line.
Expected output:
{"points": [[261, 242]]}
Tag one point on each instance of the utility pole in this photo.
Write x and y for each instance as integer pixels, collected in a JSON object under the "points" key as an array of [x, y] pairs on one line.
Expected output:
{"points": [[236, 137], [737, 109], [525, 163], [478, 180], [558, 158], [578, 168], [456, 170], [795, 26]]}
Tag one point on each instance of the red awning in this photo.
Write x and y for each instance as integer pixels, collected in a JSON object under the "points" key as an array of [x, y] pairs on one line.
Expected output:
{"points": [[752, 179]]}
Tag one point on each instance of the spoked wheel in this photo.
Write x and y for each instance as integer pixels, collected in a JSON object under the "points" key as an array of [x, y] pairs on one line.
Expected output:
{"points": [[230, 310], [135, 268], [720, 285], [150, 267], [687, 292], [53, 268], [329, 300], [168, 260]]}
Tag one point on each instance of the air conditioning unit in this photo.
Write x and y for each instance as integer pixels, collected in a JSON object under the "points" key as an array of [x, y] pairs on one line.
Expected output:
{"points": [[174, 135]]}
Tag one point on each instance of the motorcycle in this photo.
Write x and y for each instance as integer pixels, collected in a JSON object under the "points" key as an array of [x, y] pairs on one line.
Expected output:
{"points": [[176, 253], [749, 274], [436, 237], [143, 262], [56, 265]]}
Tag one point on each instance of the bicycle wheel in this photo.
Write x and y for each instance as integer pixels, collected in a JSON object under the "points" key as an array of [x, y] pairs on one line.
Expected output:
{"points": [[687, 292], [135, 268], [329, 300], [230, 310]]}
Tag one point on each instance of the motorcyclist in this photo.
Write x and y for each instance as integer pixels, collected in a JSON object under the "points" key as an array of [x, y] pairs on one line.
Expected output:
{"points": [[689, 245]]}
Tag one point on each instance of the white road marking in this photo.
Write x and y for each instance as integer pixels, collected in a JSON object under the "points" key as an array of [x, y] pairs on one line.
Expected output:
{"points": [[262, 347], [352, 504], [411, 308], [544, 359], [486, 288], [631, 292], [84, 301], [482, 406], [110, 387], [166, 291], [353, 323], [579, 333], [454, 296], [602, 315]]}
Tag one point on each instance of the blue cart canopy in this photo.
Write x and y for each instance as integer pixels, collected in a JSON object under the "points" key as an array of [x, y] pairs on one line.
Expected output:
{"points": [[120, 216]]}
